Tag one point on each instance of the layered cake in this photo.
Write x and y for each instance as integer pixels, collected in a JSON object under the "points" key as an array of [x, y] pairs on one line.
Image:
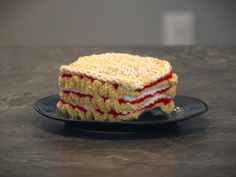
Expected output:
{"points": [[115, 87]]}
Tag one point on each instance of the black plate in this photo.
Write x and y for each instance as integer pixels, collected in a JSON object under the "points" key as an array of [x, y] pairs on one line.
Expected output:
{"points": [[186, 107]]}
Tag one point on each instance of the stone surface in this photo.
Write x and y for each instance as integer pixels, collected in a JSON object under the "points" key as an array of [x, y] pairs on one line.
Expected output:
{"points": [[31, 145]]}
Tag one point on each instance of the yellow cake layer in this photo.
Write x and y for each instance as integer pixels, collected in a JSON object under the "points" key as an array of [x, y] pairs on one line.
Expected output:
{"points": [[93, 115], [110, 103], [106, 89]]}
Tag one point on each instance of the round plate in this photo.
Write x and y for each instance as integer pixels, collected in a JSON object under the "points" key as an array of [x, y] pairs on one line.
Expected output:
{"points": [[186, 107]]}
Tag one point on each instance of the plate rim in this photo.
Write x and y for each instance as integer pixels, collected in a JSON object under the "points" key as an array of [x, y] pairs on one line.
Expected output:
{"points": [[78, 121]]}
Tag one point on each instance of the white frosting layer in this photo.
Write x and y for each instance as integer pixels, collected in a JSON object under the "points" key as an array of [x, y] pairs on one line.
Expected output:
{"points": [[151, 101], [155, 98], [126, 97], [151, 92]]}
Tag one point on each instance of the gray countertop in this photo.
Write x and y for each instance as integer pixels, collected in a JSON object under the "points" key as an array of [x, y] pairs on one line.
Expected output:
{"points": [[31, 145]]}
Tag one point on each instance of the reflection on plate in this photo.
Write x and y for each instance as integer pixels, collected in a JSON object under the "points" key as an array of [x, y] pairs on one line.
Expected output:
{"points": [[186, 107]]}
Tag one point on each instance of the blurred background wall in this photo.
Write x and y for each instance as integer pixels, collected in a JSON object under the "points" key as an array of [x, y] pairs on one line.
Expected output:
{"points": [[117, 22]]}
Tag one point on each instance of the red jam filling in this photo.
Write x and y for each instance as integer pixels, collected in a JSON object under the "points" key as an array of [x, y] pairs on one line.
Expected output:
{"points": [[114, 113], [99, 111], [105, 98], [70, 75], [122, 100], [168, 76], [77, 93], [74, 106]]}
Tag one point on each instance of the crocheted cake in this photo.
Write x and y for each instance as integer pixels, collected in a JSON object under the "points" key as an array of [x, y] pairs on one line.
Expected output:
{"points": [[115, 87]]}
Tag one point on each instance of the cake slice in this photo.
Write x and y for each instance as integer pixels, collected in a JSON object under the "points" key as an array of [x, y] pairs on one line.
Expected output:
{"points": [[115, 87]]}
